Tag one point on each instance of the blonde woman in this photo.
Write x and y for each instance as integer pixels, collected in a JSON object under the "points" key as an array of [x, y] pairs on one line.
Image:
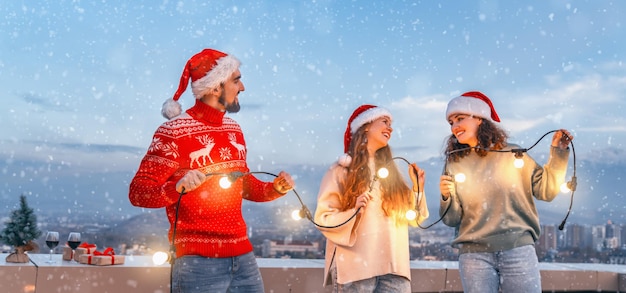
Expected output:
{"points": [[364, 217]]}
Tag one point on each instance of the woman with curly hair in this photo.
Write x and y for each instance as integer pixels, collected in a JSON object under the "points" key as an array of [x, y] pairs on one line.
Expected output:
{"points": [[493, 208], [363, 216]]}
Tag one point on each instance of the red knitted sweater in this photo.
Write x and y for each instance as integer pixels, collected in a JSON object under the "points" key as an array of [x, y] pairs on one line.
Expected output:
{"points": [[210, 222]]}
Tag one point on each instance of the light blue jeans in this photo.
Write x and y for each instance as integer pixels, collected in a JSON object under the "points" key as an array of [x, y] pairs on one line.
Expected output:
{"points": [[514, 270], [239, 274], [380, 284]]}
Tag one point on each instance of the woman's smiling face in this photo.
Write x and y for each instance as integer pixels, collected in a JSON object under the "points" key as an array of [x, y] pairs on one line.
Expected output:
{"points": [[378, 133], [465, 128]]}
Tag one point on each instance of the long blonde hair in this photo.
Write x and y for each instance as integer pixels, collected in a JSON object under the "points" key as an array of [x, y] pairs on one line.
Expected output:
{"points": [[396, 195]]}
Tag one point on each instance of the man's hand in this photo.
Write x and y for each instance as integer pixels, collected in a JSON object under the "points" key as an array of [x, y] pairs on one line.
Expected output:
{"points": [[283, 183], [190, 181]]}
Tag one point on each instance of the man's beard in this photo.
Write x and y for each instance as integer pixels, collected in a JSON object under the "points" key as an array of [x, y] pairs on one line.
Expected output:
{"points": [[230, 108]]}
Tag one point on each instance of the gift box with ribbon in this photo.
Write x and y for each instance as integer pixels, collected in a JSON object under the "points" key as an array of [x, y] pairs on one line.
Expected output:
{"points": [[105, 258], [83, 248]]}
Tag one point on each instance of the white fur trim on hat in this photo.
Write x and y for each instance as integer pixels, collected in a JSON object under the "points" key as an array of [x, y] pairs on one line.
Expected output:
{"points": [[470, 106], [367, 116], [171, 109], [220, 73]]}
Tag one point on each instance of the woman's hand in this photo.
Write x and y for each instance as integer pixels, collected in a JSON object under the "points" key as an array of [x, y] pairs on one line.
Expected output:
{"points": [[446, 186], [562, 139], [417, 177], [361, 200]]}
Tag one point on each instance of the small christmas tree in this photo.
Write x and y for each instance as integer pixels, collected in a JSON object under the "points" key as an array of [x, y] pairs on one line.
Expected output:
{"points": [[20, 231]]}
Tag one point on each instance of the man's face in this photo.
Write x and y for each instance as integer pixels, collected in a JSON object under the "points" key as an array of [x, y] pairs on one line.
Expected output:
{"points": [[230, 91]]}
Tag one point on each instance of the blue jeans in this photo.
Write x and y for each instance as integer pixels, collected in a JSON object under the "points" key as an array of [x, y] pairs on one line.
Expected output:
{"points": [[380, 284], [514, 270], [236, 274]]}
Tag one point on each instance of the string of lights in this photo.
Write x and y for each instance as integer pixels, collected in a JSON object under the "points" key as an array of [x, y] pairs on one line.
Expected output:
{"points": [[228, 178], [569, 186]]}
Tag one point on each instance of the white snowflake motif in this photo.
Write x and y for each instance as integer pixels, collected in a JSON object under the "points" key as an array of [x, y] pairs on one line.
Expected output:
{"points": [[170, 149], [225, 153]]}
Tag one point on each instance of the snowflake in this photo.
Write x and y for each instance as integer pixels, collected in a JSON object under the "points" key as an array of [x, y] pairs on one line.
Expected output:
{"points": [[225, 153], [170, 149]]}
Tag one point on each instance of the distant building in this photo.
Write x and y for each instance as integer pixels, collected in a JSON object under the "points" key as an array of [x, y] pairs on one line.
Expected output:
{"points": [[548, 238], [613, 236], [578, 236]]}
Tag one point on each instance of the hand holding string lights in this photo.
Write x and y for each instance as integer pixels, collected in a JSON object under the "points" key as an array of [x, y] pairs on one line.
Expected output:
{"points": [[561, 139]]}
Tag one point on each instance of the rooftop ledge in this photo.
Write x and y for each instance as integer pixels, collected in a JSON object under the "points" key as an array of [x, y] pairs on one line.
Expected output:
{"points": [[139, 274]]}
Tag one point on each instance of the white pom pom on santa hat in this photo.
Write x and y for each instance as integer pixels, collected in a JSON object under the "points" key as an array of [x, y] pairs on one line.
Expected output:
{"points": [[171, 109], [344, 160]]}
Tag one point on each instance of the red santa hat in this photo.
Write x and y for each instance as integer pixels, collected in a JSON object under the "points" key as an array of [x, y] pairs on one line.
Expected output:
{"points": [[207, 70], [473, 103], [362, 115]]}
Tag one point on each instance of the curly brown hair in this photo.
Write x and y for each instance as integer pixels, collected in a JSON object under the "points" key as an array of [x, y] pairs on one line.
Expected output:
{"points": [[396, 195], [490, 137]]}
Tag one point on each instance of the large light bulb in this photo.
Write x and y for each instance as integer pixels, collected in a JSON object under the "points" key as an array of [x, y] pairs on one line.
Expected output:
{"points": [[225, 182], [459, 177], [296, 215], [160, 257], [565, 188], [519, 159], [382, 173], [411, 215]]}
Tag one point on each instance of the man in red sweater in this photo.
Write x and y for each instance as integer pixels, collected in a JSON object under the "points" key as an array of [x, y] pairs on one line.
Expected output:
{"points": [[181, 170]]}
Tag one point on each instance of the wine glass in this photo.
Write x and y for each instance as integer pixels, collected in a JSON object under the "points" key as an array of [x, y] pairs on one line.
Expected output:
{"points": [[52, 240], [73, 241]]}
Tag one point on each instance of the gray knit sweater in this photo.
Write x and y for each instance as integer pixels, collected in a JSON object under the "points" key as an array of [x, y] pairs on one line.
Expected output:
{"points": [[493, 209]]}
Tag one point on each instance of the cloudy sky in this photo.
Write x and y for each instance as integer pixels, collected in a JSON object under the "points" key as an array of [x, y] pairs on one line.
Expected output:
{"points": [[83, 81]]}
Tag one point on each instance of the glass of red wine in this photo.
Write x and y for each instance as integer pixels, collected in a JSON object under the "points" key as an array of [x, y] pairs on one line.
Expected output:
{"points": [[73, 241], [52, 240]]}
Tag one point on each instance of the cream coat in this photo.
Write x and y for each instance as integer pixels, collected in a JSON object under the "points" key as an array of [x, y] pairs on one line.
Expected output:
{"points": [[370, 244]]}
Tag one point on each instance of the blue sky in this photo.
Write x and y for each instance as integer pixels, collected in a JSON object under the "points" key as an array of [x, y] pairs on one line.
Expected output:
{"points": [[78, 77]]}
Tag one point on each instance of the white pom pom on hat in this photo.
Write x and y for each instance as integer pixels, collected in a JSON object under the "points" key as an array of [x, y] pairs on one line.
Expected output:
{"points": [[207, 70], [171, 109], [362, 115], [344, 160]]}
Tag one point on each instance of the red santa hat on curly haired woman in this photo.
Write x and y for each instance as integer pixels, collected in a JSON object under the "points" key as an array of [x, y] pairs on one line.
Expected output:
{"points": [[473, 103], [362, 115], [207, 70]]}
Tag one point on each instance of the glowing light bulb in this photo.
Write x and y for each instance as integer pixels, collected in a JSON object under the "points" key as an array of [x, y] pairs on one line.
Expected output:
{"points": [[519, 156], [460, 177], [225, 182], [160, 257], [411, 215], [565, 188], [382, 173], [296, 215]]}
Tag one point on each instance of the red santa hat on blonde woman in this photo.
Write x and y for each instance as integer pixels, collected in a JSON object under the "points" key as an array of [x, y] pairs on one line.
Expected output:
{"points": [[207, 70], [473, 103], [362, 115]]}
